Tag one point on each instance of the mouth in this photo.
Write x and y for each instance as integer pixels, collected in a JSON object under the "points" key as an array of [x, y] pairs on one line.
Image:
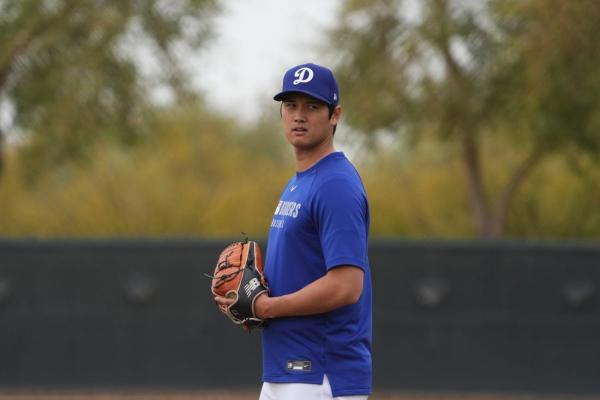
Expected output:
{"points": [[299, 130]]}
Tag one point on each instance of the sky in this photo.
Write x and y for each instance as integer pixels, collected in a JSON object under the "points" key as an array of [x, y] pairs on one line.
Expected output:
{"points": [[255, 42]]}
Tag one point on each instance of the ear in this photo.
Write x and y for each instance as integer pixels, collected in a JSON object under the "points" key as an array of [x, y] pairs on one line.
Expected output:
{"points": [[337, 114]]}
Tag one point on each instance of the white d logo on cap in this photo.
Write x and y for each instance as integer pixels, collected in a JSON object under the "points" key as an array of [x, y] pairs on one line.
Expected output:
{"points": [[304, 75]]}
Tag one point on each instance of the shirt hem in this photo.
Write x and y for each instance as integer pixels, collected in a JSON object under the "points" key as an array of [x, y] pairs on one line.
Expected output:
{"points": [[318, 380], [358, 391]]}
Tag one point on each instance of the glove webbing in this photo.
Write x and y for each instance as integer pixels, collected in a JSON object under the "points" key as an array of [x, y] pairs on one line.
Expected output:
{"points": [[225, 264]]}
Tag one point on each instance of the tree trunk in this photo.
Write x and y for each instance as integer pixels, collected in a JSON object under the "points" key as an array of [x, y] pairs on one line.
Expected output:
{"points": [[1, 154], [470, 146], [477, 195]]}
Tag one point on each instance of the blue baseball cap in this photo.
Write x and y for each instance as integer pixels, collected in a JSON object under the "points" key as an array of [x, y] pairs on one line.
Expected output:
{"points": [[313, 80]]}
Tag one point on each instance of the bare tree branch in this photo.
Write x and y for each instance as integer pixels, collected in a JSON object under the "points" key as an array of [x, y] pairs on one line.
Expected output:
{"points": [[507, 195]]}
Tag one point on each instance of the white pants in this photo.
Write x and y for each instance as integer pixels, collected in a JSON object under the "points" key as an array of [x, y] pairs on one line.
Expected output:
{"points": [[302, 391]]}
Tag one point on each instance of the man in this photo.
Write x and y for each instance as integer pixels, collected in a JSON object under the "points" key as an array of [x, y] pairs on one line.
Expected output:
{"points": [[317, 343]]}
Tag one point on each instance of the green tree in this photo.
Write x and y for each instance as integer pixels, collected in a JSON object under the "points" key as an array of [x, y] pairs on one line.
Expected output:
{"points": [[68, 68], [192, 176], [522, 70]]}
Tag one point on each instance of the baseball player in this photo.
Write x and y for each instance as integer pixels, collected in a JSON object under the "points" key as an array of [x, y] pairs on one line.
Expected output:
{"points": [[317, 342]]}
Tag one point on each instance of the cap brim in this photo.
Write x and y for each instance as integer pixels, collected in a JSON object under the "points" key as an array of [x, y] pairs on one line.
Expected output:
{"points": [[281, 95]]}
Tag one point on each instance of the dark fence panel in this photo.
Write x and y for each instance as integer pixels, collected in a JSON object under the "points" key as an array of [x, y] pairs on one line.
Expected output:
{"points": [[487, 316], [448, 316], [116, 314]]}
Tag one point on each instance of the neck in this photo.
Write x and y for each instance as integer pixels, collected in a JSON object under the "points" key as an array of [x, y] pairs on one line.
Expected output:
{"points": [[307, 158]]}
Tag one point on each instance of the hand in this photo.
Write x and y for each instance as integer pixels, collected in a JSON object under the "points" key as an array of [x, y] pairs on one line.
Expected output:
{"points": [[260, 304], [224, 301]]}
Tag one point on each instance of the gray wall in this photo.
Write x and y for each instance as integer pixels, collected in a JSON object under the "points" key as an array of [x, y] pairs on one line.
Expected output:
{"points": [[496, 316]]}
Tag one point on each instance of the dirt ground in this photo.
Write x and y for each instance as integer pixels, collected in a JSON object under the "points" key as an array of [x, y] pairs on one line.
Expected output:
{"points": [[232, 395]]}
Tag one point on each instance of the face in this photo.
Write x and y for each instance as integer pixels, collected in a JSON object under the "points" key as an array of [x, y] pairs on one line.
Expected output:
{"points": [[306, 121]]}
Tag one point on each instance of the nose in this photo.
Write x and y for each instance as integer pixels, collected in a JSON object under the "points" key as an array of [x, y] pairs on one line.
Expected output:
{"points": [[299, 117], [300, 114]]}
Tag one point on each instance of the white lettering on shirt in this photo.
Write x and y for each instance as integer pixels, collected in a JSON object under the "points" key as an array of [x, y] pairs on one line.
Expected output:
{"points": [[287, 209]]}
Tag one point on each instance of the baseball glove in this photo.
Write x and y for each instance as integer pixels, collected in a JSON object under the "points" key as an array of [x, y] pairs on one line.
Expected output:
{"points": [[239, 275]]}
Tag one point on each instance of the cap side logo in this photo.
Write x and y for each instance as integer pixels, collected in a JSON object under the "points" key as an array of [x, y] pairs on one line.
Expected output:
{"points": [[304, 75]]}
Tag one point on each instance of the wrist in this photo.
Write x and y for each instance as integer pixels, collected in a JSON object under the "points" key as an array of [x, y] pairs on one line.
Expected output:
{"points": [[262, 306]]}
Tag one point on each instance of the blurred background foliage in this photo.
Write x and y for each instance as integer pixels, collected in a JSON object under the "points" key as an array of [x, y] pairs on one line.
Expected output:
{"points": [[466, 119]]}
